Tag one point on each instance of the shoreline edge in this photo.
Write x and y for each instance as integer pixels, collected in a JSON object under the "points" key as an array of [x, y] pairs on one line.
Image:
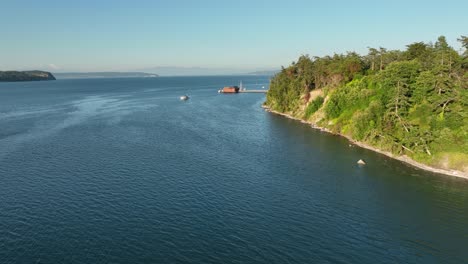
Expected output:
{"points": [[404, 159]]}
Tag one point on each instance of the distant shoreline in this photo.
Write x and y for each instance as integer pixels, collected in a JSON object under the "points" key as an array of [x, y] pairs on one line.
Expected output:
{"points": [[103, 75], [25, 76], [404, 159]]}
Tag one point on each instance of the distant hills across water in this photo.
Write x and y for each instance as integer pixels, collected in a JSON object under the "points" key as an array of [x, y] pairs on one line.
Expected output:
{"points": [[23, 76], [18, 76], [92, 75], [270, 73], [207, 71]]}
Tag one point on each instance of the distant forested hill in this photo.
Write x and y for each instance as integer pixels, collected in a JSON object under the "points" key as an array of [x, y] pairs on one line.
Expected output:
{"points": [[92, 75], [412, 102], [21, 76], [271, 73]]}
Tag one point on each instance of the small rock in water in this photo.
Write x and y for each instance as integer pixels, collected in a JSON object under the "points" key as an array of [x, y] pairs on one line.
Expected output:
{"points": [[361, 162]]}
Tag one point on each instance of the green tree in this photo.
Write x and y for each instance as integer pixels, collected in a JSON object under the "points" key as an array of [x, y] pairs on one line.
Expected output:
{"points": [[464, 41], [416, 50], [372, 54], [439, 89], [382, 52]]}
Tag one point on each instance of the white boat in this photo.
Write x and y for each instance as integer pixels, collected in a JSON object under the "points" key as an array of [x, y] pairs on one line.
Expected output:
{"points": [[184, 98]]}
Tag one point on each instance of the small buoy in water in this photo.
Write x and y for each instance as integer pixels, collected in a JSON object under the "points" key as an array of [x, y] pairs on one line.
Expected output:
{"points": [[361, 162]]}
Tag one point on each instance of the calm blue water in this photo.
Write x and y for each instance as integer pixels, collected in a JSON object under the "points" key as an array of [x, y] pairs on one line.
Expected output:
{"points": [[121, 171]]}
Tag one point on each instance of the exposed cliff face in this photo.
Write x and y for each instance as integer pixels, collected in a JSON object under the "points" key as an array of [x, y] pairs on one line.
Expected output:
{"points": [[23, 76]]}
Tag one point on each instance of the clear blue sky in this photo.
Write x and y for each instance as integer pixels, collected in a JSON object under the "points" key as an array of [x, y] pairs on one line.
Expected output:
{"points": [[134, 35]]}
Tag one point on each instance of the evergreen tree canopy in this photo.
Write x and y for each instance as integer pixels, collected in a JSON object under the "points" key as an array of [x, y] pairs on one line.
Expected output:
{"points": [[412, 102]]}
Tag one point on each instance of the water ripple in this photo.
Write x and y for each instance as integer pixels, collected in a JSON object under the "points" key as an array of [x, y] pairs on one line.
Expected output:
{"points": [[106, 171]]}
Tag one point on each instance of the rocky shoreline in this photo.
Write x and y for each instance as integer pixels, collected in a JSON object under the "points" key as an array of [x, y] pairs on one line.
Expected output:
{"points": [[405, 159]]}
